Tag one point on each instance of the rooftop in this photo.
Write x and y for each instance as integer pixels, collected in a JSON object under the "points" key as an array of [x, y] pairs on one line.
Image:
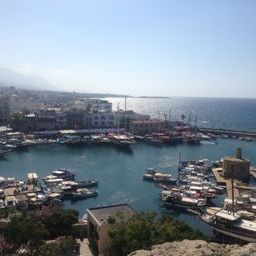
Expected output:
{"points": [[235, 159], [102, 214], [151, 121]]}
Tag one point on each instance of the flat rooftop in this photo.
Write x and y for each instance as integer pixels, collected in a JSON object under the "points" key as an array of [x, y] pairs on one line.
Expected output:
{"points": [[235, 159], [102, 214]]}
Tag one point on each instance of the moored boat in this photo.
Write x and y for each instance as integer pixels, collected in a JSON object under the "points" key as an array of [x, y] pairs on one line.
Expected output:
{"points": [[232, 224], [87, 183], [83, 193], [178, 200]]}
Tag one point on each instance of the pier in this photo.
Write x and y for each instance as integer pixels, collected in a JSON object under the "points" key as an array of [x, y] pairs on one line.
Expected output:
{"points": [[221, 180], [228, 132]]}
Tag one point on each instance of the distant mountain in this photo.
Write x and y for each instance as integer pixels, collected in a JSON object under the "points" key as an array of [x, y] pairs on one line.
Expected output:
{"points": [[9, 77]]}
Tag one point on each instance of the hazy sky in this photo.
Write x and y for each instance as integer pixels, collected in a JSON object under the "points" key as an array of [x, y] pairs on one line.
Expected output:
{"points": [[136, 47]]}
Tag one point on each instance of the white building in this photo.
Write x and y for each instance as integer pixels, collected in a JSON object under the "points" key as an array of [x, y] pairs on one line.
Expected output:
{"points": [[130, 115], [100, 105], [100, 119]]}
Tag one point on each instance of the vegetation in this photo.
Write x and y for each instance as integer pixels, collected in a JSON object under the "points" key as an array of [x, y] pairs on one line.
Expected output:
{"points": [[32, 229], [145, 229], [62, 246], [17, 120]]}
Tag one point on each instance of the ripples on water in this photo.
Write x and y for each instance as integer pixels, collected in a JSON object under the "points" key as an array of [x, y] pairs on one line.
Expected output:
{"points": [[225, 113]]}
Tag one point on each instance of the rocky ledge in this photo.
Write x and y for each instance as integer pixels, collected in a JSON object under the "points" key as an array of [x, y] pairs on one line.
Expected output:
{"points": [[198, 248]]}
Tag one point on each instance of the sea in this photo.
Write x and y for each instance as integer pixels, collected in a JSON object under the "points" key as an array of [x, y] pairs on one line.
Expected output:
{"points": [[120, 171], [226, 113]]}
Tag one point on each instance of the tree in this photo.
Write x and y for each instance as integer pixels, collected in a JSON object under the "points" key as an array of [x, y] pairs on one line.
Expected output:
{"points": [[60, 222], [17, 120], [145, 229], [24, 229], [62, 246]]}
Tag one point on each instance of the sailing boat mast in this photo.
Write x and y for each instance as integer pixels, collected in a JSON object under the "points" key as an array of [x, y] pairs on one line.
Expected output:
{"points": [[125, 113]]}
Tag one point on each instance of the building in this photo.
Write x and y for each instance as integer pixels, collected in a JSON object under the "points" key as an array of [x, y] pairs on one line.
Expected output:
{"points": [[96, 105], [75, 119], [61, 120], [101, 221], [4, 110], [124, 118], [236, 167], [146, 126], [101, 119], [28, 123]]}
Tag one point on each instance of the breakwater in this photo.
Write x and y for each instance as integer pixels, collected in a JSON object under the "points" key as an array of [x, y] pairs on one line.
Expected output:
{"points": [[230, 133]]}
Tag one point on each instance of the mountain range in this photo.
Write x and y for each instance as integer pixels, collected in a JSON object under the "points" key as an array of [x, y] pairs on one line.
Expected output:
{"points": [[9, 77]]}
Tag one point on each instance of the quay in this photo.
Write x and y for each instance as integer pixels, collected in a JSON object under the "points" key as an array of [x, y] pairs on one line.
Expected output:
{"points": [[221, 180], [228, 132]]}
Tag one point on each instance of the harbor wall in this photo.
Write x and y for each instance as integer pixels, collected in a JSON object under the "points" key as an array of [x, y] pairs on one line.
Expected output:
{"points": [[228, 132]]}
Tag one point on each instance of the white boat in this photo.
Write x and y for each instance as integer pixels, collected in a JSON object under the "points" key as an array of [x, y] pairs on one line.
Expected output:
{"points": [[83, 193], [179, 200], [232, 224]]}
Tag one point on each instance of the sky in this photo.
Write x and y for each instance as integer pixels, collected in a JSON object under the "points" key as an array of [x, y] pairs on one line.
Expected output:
{"points": [[134, 47]]}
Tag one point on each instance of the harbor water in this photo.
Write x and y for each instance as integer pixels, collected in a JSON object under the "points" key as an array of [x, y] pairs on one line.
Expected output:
{"points": [[120, 171]]}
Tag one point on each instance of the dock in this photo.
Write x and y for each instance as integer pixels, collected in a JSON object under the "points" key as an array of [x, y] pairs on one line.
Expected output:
{"points": [[221, 180]]}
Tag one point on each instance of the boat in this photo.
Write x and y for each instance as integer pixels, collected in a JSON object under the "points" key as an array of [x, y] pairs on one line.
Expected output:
{"points": [[53, 182], [159, 177], [152, 140], [232, 224], [83, 193], [87, 183], [60, 174], [165, 178], [121, 140], [149, 175], [63, 174], [178, 200], [240, 225]]}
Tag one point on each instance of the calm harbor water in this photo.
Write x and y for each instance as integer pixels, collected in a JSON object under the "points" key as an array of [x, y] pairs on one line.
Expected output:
{"points": [[119, 172], [238, 114]]}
